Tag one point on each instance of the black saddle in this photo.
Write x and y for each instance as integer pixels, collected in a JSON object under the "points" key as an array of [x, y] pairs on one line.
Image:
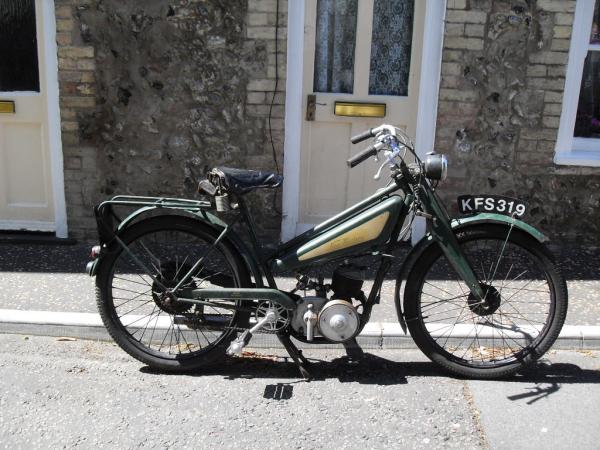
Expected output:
{"points": [[242, 181]]}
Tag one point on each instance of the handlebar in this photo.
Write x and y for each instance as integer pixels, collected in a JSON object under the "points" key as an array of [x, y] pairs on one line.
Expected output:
{"points": [[387, 136], [363, 136], [360, 157]]}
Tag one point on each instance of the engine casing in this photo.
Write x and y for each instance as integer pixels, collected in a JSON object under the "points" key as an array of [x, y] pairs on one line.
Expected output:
{"points": [[338, 320]]}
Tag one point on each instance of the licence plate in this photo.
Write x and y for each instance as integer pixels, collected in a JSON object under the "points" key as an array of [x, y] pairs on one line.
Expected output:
{"points": [[469, 204]]}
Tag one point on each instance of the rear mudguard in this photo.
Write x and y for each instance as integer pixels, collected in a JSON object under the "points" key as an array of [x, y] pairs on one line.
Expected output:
{"points": [[208, 219], [457, 224]]}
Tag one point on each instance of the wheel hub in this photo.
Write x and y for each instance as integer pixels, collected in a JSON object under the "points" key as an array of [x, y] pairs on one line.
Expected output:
{"points": [[489, 305], [170, 275]]}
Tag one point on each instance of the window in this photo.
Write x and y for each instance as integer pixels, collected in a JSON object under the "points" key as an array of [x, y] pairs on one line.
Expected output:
{"points": [[335, 44], [578, 140]]}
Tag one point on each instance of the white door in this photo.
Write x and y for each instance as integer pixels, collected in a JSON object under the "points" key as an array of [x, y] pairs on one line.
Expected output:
{"points": [[365, 57], [26, 196]]}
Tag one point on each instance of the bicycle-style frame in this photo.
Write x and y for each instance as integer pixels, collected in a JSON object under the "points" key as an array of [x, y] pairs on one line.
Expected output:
{"points": [[350, 224]]}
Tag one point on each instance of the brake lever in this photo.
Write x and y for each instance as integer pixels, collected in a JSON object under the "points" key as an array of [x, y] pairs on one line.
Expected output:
{"points": [[377, 175]]}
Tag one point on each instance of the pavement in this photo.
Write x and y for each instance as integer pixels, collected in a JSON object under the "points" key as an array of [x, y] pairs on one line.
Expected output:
{"points": [[52, 278], [60, 393]]}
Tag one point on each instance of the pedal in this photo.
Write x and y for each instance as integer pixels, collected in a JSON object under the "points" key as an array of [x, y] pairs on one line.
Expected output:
{"points": [[237, 346]]}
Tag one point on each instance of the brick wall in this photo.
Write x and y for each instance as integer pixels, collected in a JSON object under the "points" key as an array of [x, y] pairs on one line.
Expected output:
{"points": [[261, 26], [503, 75], [77, 82], [263, 100]]}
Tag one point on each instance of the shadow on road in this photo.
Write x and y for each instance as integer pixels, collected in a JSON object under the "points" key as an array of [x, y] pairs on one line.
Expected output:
{"points": [[549, 378], [375, 370]]}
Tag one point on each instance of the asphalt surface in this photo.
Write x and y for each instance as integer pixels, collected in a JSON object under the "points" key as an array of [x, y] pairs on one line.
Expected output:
{"points": [[52, 278], [64, 394]]}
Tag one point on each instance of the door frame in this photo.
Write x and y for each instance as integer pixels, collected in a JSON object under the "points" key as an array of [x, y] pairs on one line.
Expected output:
{"points": [[54, 121], [431, 65]]}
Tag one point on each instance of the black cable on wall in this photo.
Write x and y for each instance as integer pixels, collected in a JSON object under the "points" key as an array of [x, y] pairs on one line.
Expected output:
{"points": [[276, 87]]}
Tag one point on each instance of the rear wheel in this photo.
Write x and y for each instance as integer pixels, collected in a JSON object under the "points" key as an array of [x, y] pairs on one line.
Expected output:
{"points": [[147, 324], [516, 323]]}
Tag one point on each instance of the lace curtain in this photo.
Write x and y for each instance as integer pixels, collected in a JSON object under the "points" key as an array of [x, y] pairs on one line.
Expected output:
{"points": [[335, 44], [391, 47]]}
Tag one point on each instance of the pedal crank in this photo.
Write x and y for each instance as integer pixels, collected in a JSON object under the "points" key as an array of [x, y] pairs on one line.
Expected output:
{"points": [[237, 346]]}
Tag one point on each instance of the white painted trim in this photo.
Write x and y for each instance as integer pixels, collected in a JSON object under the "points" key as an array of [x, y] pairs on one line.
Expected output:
{"points": [[575, 158], [431, 71], [569, 150], [587, 145], [54, 128], [18, 94], [293, 119], [426, 120], [27, 225]]}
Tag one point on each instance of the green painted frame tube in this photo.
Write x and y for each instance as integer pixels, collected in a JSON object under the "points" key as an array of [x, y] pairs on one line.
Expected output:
{"points": [[443, 233], [240, 294]]}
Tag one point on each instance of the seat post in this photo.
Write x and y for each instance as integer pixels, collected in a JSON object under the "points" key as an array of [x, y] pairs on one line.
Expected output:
{"points": [[247, 217]]}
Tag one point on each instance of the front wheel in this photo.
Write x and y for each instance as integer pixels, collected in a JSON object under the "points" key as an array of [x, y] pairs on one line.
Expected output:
{"points": [[515, 324]]}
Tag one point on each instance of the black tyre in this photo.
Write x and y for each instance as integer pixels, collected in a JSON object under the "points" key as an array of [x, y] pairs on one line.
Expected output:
{"points": [[145, 323], [518, 321]]}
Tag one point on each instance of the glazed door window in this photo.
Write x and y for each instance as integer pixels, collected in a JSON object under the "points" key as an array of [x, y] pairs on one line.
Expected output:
{"points": [[391, 47], [18, 47], [334, 46]]}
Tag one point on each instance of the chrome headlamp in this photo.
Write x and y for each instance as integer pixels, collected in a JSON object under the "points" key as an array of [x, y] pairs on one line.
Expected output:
{"points": [[436, 166]]}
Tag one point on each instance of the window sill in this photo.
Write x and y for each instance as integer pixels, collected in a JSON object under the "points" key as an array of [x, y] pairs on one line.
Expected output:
{"points": [[578, 158]]}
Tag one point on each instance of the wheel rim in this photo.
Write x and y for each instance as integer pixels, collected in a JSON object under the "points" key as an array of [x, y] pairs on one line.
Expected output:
{"points": [[140, 309], [507, 325]]}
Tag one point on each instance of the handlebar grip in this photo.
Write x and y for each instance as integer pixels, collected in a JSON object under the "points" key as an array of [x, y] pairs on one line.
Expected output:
{"points": [[362, 136], [360, 157]]}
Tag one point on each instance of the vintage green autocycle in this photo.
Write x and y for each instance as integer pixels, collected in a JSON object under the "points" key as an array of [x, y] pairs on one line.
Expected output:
{"points": [[179, 288]]}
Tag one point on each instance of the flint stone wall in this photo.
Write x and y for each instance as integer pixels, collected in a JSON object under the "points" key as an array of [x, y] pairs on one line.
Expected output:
{"points": [[154, 93], [503, 75]]}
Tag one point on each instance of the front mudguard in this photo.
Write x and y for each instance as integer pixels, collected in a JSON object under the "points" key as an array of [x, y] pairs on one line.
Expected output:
{"points": [[202, 216], [456, 224]]}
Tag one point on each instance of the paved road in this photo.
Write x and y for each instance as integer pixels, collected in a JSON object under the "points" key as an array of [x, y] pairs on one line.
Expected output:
{"points": [[65, 394], [52, 278]]}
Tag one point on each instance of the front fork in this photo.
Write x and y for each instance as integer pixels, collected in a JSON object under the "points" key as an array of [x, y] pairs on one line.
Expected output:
{"points": [[443, 233]]}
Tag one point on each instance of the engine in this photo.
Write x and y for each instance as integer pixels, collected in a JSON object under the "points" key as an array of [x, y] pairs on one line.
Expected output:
{"points": [[337, 318]]}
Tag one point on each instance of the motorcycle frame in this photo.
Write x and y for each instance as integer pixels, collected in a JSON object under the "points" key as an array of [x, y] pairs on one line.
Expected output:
{"points": [[440, 225]]}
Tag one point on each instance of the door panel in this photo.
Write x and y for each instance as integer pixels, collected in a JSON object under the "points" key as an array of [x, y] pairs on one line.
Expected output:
{"points": [[323, 191], [384, 68], [26, 200], [23, 154]]}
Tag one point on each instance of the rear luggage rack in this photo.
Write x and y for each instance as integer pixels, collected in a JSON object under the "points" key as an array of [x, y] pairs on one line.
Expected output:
{"points": [[108, 221], [164, 202]]}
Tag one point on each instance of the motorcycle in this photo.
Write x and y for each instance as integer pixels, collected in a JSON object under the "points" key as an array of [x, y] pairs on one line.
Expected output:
{"points": [[182, 283]]}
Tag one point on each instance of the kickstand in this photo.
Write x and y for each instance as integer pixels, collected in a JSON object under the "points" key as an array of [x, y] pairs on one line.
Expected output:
{"points": [[353, 350], [296, 354]]}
